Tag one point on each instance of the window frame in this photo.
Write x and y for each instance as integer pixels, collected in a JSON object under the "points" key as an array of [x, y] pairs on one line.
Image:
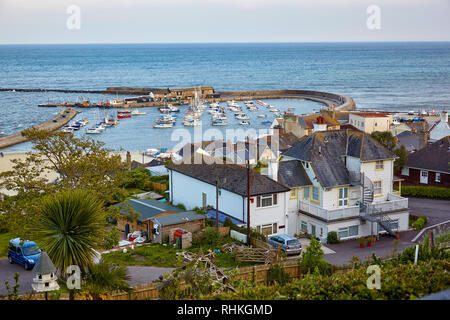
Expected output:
{"points": [[343, 199], [436, 175], [312, 194], [295, 196], [377, 163], [381, 188], [273, 198]]}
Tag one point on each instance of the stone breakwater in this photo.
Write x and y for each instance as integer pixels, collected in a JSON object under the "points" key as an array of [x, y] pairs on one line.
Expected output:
{"points": [[51, 125], [341, 102]]}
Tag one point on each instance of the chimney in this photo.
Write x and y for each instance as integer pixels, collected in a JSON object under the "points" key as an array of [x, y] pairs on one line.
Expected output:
{"points": [[272, 170]]}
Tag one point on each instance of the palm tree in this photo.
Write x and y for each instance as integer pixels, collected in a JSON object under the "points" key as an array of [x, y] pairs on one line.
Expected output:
{"points": [[71, 225], [105, 276]]}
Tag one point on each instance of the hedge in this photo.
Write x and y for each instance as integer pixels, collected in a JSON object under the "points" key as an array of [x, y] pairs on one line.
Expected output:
{"points": [[429, 192]]}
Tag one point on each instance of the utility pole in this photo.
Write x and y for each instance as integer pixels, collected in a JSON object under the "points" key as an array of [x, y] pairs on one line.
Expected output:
{"points": [[217, 199], [248, 202], [217, 203]]}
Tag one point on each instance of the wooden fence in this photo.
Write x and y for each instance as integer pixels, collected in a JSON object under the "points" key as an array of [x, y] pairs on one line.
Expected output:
{"points": [[253, 273]]}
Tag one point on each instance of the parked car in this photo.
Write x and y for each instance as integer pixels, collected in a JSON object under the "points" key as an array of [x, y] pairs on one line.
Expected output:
{"points": [[288, 244], [23, 252]]}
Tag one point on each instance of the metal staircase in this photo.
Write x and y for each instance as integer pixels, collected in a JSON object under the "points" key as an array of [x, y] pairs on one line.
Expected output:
{"points": [[368, 212]]}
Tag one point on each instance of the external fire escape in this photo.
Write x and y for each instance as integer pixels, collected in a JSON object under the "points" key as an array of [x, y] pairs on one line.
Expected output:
{"points": [[368, 211]]}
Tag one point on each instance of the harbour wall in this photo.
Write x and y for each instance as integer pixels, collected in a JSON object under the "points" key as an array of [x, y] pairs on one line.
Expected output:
{"points": [[51, 125], [342, 103]]}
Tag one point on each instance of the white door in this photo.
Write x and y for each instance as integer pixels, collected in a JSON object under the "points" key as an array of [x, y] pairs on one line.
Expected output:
{"points": [[424, 177]]}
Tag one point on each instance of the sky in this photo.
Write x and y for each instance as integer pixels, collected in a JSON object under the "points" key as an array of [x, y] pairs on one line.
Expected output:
{"points": [[191, 21]]}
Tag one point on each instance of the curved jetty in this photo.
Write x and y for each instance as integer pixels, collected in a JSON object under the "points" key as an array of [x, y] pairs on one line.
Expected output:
{"points": [[51, 125]]}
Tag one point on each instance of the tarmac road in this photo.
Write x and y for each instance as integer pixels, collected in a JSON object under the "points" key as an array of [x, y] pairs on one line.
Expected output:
{"points": [[139, 276]]}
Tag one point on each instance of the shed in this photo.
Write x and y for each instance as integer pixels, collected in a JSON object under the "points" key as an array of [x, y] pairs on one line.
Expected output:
{"points": [[162, 224]]}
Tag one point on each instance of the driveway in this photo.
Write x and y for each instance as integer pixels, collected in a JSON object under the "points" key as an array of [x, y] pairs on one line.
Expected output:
{"points": [[435, 210], [138, 276]]}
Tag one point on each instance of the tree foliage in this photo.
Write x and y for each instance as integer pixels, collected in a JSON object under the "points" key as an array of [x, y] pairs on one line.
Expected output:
{"points": [[71, 224], [387, 140], [312, 259], [77, 163]]}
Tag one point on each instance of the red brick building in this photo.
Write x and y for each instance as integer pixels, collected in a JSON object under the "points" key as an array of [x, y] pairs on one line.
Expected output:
{"points": [[429, 166]]}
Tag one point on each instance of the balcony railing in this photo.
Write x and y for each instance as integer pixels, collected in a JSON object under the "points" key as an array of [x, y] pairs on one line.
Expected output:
{"points": [[393, 202], [329, 214]]}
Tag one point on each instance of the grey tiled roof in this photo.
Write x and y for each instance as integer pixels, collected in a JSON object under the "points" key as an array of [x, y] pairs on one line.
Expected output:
{"points": [[292, 174], [149, 208], [435, 157], [326, 150], [176, 218], [44, 265], [236, 178]]}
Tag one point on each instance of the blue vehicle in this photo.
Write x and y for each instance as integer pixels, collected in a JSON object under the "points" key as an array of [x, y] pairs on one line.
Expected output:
{"points": [[287, 243], [23, 252]]}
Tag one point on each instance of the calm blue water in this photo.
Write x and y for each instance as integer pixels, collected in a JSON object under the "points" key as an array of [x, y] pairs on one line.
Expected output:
{"points": [[395, 76]]}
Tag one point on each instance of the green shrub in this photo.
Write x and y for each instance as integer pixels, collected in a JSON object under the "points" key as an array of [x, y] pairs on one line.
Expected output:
{"points": [[181, 206], [419, 224], [210, 236], [430, 192], [312, 259], [332, 237], [277, 274]]}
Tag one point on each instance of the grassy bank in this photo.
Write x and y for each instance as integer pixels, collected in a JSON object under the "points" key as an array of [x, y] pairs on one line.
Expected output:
{"points": [[4, 242]]}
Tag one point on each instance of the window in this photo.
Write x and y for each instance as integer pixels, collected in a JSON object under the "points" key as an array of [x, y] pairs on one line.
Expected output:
{"points": [[266, 201], [438, 177], [348, 232], [405, 171], [377, 188], [267, 229], [315, 194], [343, 197], [294, 193], [306, 193], [379, 165], [304, 226]]}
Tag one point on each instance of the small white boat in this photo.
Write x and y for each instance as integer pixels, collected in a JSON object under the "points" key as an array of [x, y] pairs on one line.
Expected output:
{"points": [[244, 123], [162, 126], [242, 116], [273, 110], [68, 130], [136, 112], [192, 123], [261, 116], [93, 131]]}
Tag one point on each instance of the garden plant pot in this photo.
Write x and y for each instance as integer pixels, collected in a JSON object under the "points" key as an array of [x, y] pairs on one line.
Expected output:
{"points": [[397, 236], [361, 245], [369, 244]]}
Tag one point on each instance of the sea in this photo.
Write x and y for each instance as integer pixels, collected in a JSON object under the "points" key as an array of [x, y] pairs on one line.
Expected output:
{"points": [[389, 76]]}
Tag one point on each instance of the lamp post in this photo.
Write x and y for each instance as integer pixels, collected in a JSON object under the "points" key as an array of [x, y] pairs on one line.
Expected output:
{"points": [[217, 199]]}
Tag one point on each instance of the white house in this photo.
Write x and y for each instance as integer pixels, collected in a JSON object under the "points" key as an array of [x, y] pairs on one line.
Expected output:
{"points": [[370, 122], [194, 185], [440, 129], [348, 187]]}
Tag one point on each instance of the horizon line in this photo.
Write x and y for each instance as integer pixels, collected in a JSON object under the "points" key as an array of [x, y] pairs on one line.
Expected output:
{"points": [[223, 42]]}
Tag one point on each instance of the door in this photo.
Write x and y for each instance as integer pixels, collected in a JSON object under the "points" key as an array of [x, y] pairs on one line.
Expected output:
{"points": [[424, 177], [19, 256], [313, 230], [127, 229], [343, 197], [204, 203]]}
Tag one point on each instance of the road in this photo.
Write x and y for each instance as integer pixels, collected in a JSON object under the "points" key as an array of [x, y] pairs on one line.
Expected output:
{"points": [[138, 276], [435, 210]]}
